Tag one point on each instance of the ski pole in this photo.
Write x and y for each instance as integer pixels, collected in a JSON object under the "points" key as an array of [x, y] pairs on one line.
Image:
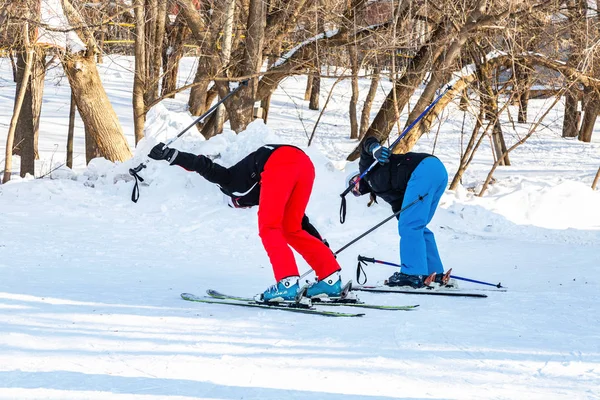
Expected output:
{"points": [[372, 260], [135, 195], [420, 198], [404, 132]]}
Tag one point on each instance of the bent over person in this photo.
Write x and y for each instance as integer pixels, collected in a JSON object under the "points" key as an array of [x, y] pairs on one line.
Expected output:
{"points": [[279, 179], [400, 180]]}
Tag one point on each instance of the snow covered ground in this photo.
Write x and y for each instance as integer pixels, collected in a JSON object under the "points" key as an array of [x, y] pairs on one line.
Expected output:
{"points": [[90, 281]]}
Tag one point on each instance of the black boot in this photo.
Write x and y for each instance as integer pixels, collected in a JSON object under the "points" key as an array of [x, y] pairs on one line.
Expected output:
{"points": [[400, 279], [443, 279]]}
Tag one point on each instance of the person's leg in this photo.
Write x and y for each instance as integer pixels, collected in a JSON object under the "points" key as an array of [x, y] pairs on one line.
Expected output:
{"points": [[314, 251], [277, 183], [412, 222], [439, 179]]}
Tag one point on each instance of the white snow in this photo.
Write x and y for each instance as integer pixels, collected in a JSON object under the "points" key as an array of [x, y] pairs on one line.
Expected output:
{"points": [[60, 33], [90, 281], [290, 53]]}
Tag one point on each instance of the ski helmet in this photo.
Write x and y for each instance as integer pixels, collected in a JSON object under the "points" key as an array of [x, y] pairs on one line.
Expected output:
{"points": [[352, 180]]}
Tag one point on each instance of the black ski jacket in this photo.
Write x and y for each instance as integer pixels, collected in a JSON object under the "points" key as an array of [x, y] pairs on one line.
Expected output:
{"points": [[389, 180], [241, 181]]}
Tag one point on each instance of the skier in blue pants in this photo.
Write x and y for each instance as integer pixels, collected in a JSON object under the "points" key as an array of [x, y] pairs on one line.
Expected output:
{"points": [[400, 179]]}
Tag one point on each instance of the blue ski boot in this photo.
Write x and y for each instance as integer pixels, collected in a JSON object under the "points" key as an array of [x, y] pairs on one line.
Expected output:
{"points": [[328, 287], [285, 290]]}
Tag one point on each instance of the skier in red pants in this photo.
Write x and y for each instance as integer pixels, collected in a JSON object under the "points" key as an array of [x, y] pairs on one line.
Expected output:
{"points": [[279, 179]]}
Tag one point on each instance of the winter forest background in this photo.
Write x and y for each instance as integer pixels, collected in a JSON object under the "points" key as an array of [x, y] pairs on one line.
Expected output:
{"points": [[90, 281]]}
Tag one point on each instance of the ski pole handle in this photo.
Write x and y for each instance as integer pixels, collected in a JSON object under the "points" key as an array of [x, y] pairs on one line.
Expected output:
{"points": [[367, 259]]}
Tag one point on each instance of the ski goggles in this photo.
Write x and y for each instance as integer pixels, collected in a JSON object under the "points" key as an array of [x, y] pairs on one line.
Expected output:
{"points": [[354, 183]]}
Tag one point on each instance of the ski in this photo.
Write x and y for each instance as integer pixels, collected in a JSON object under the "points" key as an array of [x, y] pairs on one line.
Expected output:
{"points": [[292, 307], [426, 291], [320, 302]]}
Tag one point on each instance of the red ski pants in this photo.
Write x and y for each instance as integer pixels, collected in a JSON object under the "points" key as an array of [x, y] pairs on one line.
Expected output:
{"points": [[286, 184]]}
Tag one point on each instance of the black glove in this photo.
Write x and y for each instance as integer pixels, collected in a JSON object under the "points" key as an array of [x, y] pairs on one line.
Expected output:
{"points": [[158, 153], [380, 153]]}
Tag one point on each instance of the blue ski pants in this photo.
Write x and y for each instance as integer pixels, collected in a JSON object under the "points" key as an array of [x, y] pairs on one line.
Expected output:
{"points": [[418, 252]]}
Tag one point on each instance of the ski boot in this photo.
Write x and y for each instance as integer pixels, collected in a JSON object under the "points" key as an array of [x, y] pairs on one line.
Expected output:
{"points": [[444, 279], [285, 290], [414, 281], [330, 287]]}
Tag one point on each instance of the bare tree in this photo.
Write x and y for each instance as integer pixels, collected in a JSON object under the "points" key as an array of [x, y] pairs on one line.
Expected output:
{"points": [[71, 132], [365, 117], [532, 129], [596, 179], [139, 77], [353, 56], [18, 103], [28, 124], [176, 36]]}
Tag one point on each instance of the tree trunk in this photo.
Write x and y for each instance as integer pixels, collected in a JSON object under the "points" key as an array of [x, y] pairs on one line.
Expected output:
{"points": [[17, 110], [241, 106], [197, 102], [155, 23], [365, 116], [523, 103], [205, 35], [315, 91], [98, 115], [467, 156], [309, 83], [576, 29], [571, 116], [265, 103], [491, 112], [211, 95], [91, 147], [100, 54], [590, 113], [139, 79], [225, 57], [172, 55], [27, 130], [71, 133], [312, 135], [353, 55], [463, 105], [13, 65], [596, 179], [159, 42], [499, 143], [523, 86]]}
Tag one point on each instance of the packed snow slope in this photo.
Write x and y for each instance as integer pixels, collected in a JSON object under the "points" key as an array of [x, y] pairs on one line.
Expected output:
{"points": [[90, 281]]}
